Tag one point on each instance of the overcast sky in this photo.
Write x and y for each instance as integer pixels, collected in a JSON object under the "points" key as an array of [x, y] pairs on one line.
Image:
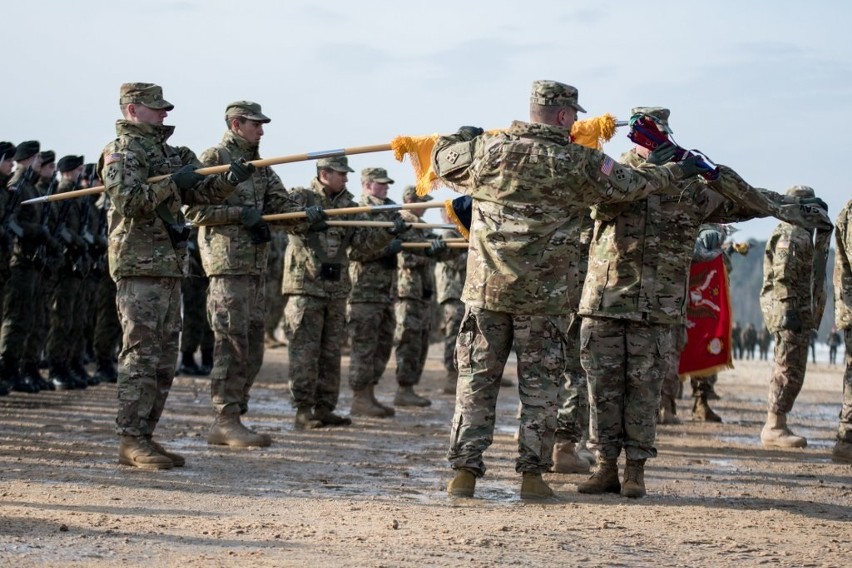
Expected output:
{"points": [[762, 86]]}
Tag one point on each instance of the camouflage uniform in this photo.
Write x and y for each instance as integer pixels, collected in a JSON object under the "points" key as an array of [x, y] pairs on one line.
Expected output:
{"points": [[530, 188], [843, 316], [634, 297], [316, 279], [236, 268], [449, 282], [107, 329], [370, 318], [787, 288], [275, 300], [145, 264]]}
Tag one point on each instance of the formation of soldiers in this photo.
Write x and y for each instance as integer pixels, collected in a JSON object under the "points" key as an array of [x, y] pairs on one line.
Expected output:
{"points": [[577, 262]]}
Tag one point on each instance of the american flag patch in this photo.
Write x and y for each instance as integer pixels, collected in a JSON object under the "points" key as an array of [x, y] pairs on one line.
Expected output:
{"points": [[607, 165], [113, 158]]}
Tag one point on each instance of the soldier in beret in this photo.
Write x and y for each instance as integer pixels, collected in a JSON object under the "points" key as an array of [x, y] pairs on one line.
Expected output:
{"points": [[233, 240], [7, 152], [147, 259]]}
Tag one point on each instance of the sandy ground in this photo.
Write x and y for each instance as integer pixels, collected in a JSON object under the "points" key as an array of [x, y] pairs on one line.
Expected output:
{"points": [[374, 494]]}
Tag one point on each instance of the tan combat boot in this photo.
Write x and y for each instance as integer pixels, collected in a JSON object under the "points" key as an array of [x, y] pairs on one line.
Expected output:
{"points": [[566, 460], [305, 419], [177, 459], [775, 433], [136, 451], [534, 487], [227, 430], [405, 396], [842, 452], [634, 479], [463, 484], [603, 480], [702, 412], [668, 411], [363, 405], [389, 411]]}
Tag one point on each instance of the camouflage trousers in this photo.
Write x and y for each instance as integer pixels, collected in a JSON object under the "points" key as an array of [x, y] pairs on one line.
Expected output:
{"points": [[40, 307], [844, 430], [702, 386], [149, 311], [197, 331], [371, 327], [63, 321], [411, 339], [572, 419], [671, 380], [452, 312], [107, 332], [84, 329], [18, 312], [625, 362], [235, 308], [316, 330], [484, 343], [275, 302], [788, 372]]}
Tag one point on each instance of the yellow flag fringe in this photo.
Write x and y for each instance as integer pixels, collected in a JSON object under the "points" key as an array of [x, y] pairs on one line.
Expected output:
{"points": [[454, 219], [592, 133]]}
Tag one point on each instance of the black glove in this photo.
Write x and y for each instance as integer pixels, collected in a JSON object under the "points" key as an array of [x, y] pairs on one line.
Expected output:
{"points": [[186, 178], [468, 133], [317, 227], [315, 214], [250, 217], [394, 247], [791, 321], [813, 201], [661, 154], [689, 166], [399, 226], [239, 171], [437, 246]]}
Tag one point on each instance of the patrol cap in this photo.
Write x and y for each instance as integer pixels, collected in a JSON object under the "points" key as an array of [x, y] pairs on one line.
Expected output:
{"points": [[801, 191], [147, 94], [26, 150], [47, 157], [409, 195], [69, 163], [379, 175], [7, 150], [336, 163], [554, 93], [246, 109], [659, 114]]}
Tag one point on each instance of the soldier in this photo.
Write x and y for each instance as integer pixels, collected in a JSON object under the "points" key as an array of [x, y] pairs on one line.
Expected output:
{"points": [[791, 310], [7, 153], [316, 279], [842, 452], [415, 291], [737, 340], [370, 313], [749, 341], [147, 259], [27, 234], [47, 171], [764, 338], [449, 282], [233, 240], [633, 304], [833, 341], [530, 187], [65, 297]]}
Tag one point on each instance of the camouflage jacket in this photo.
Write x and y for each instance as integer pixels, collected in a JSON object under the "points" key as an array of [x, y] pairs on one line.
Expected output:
{"points": [[28, 218], [788, 277], [373, 272], [139, 244], [224, 242], [415, 278], [450, 273], [641, 251], [843, 269], [317, 263], [531, 187]]}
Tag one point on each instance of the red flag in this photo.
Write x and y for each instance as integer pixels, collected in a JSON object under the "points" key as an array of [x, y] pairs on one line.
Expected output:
{"points": [[708, 320]]}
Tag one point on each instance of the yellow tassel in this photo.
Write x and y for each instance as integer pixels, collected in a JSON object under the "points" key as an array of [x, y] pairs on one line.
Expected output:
{"points": [[594, 131], [451, 213]]}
